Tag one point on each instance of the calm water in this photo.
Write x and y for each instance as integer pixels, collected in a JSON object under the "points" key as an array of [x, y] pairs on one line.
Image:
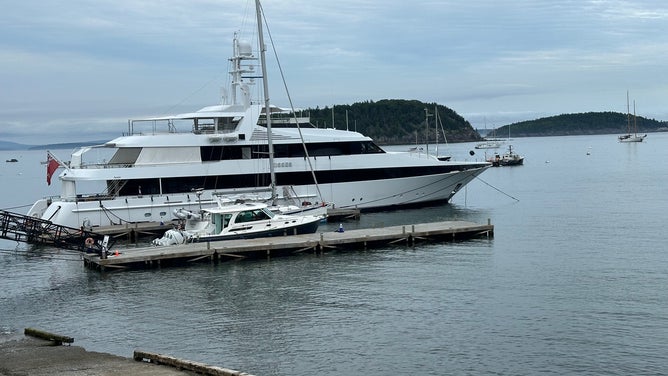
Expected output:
{"points": [[574, 281]]}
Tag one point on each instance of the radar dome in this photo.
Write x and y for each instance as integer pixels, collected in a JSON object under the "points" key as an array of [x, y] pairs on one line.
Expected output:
{"points": [[245, 48]]}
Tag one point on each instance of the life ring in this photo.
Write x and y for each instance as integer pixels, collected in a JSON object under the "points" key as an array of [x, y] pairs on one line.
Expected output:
{"points": [[89, 242]]}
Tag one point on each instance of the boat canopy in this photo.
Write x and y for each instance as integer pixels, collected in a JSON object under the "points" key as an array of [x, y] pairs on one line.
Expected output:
{"points": [[196, 115]]}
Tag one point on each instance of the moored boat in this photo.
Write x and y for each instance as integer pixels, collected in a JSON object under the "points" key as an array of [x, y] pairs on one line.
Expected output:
{"points": [[632, 132], [489, 144], [237, 221], [509, 158]]}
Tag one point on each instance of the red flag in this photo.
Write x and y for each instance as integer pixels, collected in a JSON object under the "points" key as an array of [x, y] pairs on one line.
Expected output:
{"points": [[52, 165]]}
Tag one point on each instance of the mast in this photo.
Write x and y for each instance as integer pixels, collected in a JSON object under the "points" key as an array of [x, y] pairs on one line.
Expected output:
{"points": [[436, 126], [628, 114], [426, 123], [635, 124], [267, 109]]}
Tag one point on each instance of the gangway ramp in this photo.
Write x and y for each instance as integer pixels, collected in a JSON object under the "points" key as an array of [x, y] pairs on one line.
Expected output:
{"points": [[27, 229]]}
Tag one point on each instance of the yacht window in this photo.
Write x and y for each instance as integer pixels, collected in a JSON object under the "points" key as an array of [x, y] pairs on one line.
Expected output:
{"points": [[226, 219], [125, 156], [244, 216], [259, 215], [227, 124], [163, 155]]}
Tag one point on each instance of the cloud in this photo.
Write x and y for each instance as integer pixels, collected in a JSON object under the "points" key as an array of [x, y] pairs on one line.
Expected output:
{"points": [[92, 65]]}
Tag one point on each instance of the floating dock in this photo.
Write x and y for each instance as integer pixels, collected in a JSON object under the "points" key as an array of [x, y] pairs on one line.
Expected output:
{"points": [[148, 257]]}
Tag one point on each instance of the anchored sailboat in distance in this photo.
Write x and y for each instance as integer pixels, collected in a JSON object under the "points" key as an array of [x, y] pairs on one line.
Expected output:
{"points": [[631, 137], [147, 174]]}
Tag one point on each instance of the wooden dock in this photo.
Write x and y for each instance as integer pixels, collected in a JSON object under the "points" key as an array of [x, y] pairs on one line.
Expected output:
{"points": [[408, 235], [131, 232]]}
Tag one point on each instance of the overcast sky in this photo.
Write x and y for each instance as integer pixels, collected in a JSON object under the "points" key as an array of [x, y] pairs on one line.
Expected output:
{"points": [[77, 70]]}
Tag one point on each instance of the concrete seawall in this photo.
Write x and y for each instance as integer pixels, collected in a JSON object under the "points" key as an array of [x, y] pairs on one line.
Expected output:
{"points": [[28, 355]]}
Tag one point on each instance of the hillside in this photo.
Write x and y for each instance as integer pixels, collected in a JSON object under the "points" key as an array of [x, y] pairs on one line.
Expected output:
{"points": [[396, 121], [580, 124], [6, 145]]}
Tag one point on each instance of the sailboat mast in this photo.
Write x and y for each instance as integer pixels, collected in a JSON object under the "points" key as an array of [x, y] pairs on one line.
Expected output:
{"points": [[267, 105], [628, 114], [436, 126], [635, 123], [426, 123]]}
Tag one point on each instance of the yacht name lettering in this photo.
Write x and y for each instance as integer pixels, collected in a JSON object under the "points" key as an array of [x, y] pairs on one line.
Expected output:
{"points": [[283, 164]]}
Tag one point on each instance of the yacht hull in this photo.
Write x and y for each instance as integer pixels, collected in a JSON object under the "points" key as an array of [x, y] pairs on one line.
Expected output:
{"points": [[364, 195]]}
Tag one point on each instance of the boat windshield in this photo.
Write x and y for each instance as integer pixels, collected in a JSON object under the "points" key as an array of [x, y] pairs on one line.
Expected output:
{"points": [[253, 215]]}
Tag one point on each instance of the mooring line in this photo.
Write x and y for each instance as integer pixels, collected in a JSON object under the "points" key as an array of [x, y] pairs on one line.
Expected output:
{"points": [[497, 189]]}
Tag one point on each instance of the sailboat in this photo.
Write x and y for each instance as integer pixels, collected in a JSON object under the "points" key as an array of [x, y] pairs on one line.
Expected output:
{"points": [[490, 143], [631, 137], [437, 121]]}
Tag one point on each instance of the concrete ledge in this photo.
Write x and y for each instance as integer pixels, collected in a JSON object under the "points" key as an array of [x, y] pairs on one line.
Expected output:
{"points": [[200, 368], [34, 356]]}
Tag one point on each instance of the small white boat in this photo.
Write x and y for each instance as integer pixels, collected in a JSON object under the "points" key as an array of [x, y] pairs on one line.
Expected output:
{"points": [[237, 221], [489, 144], [632, 138]]}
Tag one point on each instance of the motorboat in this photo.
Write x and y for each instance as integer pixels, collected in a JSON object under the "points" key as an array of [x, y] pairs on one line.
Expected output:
{"points": [[236, 221], [509, 158], [186, 160]]}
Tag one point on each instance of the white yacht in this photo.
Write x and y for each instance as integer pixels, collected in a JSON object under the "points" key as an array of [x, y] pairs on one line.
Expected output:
{"points": [[185, 161]]}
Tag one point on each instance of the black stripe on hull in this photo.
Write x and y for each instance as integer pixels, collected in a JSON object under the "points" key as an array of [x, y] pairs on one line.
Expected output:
{"points": [[221, 182]]}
